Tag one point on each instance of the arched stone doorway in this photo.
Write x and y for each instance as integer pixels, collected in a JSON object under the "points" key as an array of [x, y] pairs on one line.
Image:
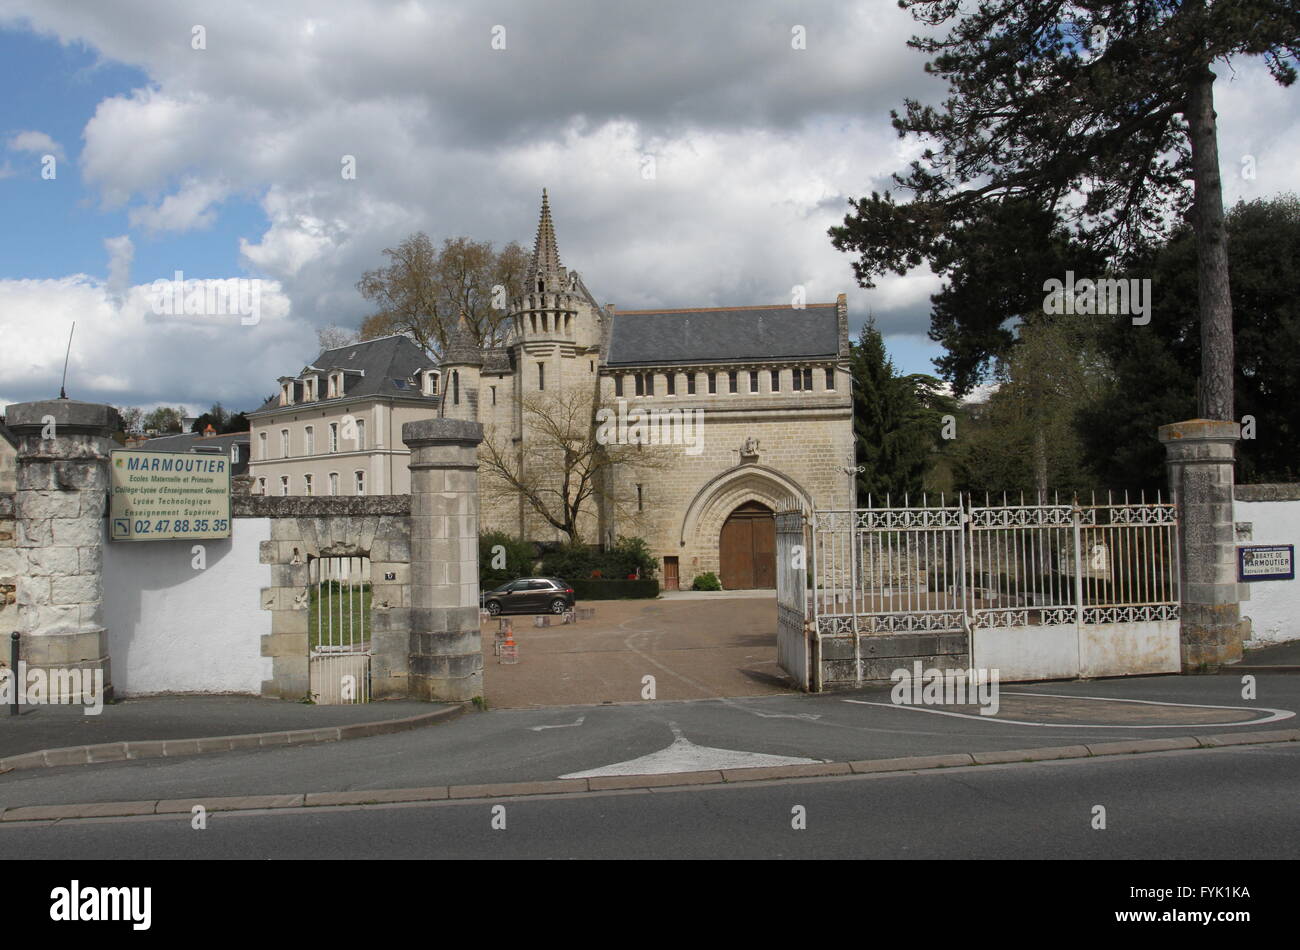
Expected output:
{"points": [[747, 548]]}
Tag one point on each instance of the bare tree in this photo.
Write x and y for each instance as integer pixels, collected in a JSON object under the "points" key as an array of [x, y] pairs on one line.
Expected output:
{"points": [[566, 466], [333, 337], [424, 290]]}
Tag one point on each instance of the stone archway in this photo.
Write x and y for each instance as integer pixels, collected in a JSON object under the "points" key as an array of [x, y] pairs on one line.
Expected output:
{"points": [[747, 547], [723, 494]]}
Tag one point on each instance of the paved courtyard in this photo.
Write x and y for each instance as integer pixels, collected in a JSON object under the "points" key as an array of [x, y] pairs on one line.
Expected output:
{"points": [[702, 648]]}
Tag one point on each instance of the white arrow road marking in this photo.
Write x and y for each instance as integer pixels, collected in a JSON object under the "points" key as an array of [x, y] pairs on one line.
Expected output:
{"points": [[685, 756], [563, 725], [1276, 714]]}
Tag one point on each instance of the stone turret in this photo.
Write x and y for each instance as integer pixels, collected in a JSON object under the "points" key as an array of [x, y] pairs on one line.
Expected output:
{"points": [[461, 366], [548, 309]]}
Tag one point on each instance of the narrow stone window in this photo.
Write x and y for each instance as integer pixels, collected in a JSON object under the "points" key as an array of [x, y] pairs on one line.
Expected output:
{"points": [[776, 380], [690, 384], [753, 381], [733, 382]]}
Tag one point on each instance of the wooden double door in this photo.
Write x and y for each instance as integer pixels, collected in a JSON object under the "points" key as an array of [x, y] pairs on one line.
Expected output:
{"points": [[747, 548]]}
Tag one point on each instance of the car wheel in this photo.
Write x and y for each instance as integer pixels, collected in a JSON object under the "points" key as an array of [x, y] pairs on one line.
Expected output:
{"points": [[493, 608], [558, 606]]}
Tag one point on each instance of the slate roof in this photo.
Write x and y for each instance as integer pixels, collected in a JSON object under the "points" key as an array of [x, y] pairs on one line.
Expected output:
{"points": [[723, 335], [385, 367]]}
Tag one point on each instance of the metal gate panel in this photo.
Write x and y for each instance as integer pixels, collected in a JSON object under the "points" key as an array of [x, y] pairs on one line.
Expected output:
{"points": [[338, 630]]}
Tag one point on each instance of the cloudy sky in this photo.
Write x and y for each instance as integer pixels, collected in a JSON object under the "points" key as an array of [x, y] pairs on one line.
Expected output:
{"points": [[126, 154]]}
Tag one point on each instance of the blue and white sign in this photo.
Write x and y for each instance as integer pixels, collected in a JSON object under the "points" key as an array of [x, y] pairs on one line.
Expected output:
{"points": [[1266, 562]]}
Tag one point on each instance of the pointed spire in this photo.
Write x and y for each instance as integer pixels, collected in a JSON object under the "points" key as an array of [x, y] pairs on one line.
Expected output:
{"points": [[546, 253]]}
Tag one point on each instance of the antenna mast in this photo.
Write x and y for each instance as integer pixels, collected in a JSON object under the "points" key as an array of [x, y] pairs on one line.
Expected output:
{"points": [[63, 393]]}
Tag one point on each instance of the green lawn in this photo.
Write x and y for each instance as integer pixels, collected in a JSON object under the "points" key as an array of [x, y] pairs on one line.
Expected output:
{"points": [[338, 614]]}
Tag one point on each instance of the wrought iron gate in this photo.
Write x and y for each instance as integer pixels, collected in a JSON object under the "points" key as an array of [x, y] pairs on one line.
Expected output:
{"points": [[1041, 590], [338, 630]]}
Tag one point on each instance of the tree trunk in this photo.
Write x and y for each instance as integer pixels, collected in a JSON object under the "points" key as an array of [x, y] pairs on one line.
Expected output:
{"points": [[1217, 361]]}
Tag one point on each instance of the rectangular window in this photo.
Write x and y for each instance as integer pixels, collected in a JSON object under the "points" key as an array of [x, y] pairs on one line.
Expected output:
{"points": [[284, 443], [733, 382], [649, 384], [334, 436], [261, 486], [690, 384], [713, 384], [284, 484], [671, 379], [306, 484], [618, 386], [310, 434], [640, 384], [830, 379], [360, 482], [807, 378], [361, 435], [776, 380], [261, 447], [753, 381], [541, 376], [334, 483]]}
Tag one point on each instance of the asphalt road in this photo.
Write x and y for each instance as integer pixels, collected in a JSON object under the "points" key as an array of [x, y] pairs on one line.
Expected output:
{"points": [[1231, 803], [522, 745]]}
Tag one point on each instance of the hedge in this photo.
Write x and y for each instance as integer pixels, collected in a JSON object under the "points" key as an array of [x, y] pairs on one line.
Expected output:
{"points": [[615, 590]]}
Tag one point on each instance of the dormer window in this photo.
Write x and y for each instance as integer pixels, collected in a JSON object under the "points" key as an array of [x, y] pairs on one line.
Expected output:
{"points": [[335, 385], [309, 389], [286, 394], [430, 383]]}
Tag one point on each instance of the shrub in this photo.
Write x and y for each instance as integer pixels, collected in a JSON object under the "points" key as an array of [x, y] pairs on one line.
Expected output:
{"points": [[519, 559], [707, 581], [629, 557], [615, 590]]}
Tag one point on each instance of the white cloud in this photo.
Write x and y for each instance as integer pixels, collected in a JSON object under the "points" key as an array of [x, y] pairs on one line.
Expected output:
{"points": [[121, 251], [127, 353], [38, 143], [756, 146]]}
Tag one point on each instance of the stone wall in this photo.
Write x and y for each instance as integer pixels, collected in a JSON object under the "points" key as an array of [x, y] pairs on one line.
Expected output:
{"points": [[231, 614], [8, 571], [1269, 514], [375, 527]]}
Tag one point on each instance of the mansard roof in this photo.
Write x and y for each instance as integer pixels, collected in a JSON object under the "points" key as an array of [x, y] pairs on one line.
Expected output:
{"points": [[724, 335], [382, 367]]}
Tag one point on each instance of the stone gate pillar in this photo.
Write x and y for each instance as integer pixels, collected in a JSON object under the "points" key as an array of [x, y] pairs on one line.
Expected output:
{"points": [[63, 448], [1201, 475], [446, 662]]}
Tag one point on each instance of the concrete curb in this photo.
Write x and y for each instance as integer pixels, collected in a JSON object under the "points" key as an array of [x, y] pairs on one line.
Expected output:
{"points": [[541, 789], [172, 748]]}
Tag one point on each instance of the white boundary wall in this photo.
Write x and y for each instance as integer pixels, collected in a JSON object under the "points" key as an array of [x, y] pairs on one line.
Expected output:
{"points": [[1274, 606], [174, 629]]}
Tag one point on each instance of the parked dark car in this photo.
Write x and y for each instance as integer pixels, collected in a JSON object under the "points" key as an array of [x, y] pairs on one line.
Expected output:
{"points": [[529, 595]]}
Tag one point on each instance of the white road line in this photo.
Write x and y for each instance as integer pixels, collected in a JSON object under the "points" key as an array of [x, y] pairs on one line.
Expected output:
{"points": [[1276, 714], [563, 725]]}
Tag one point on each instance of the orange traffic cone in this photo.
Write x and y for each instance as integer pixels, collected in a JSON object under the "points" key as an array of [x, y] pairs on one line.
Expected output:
{"points": [[510, 649]]}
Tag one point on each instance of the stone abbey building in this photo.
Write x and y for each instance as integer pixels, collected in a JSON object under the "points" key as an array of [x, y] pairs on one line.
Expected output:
{"points": [[754, 405], [751, 412]]}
